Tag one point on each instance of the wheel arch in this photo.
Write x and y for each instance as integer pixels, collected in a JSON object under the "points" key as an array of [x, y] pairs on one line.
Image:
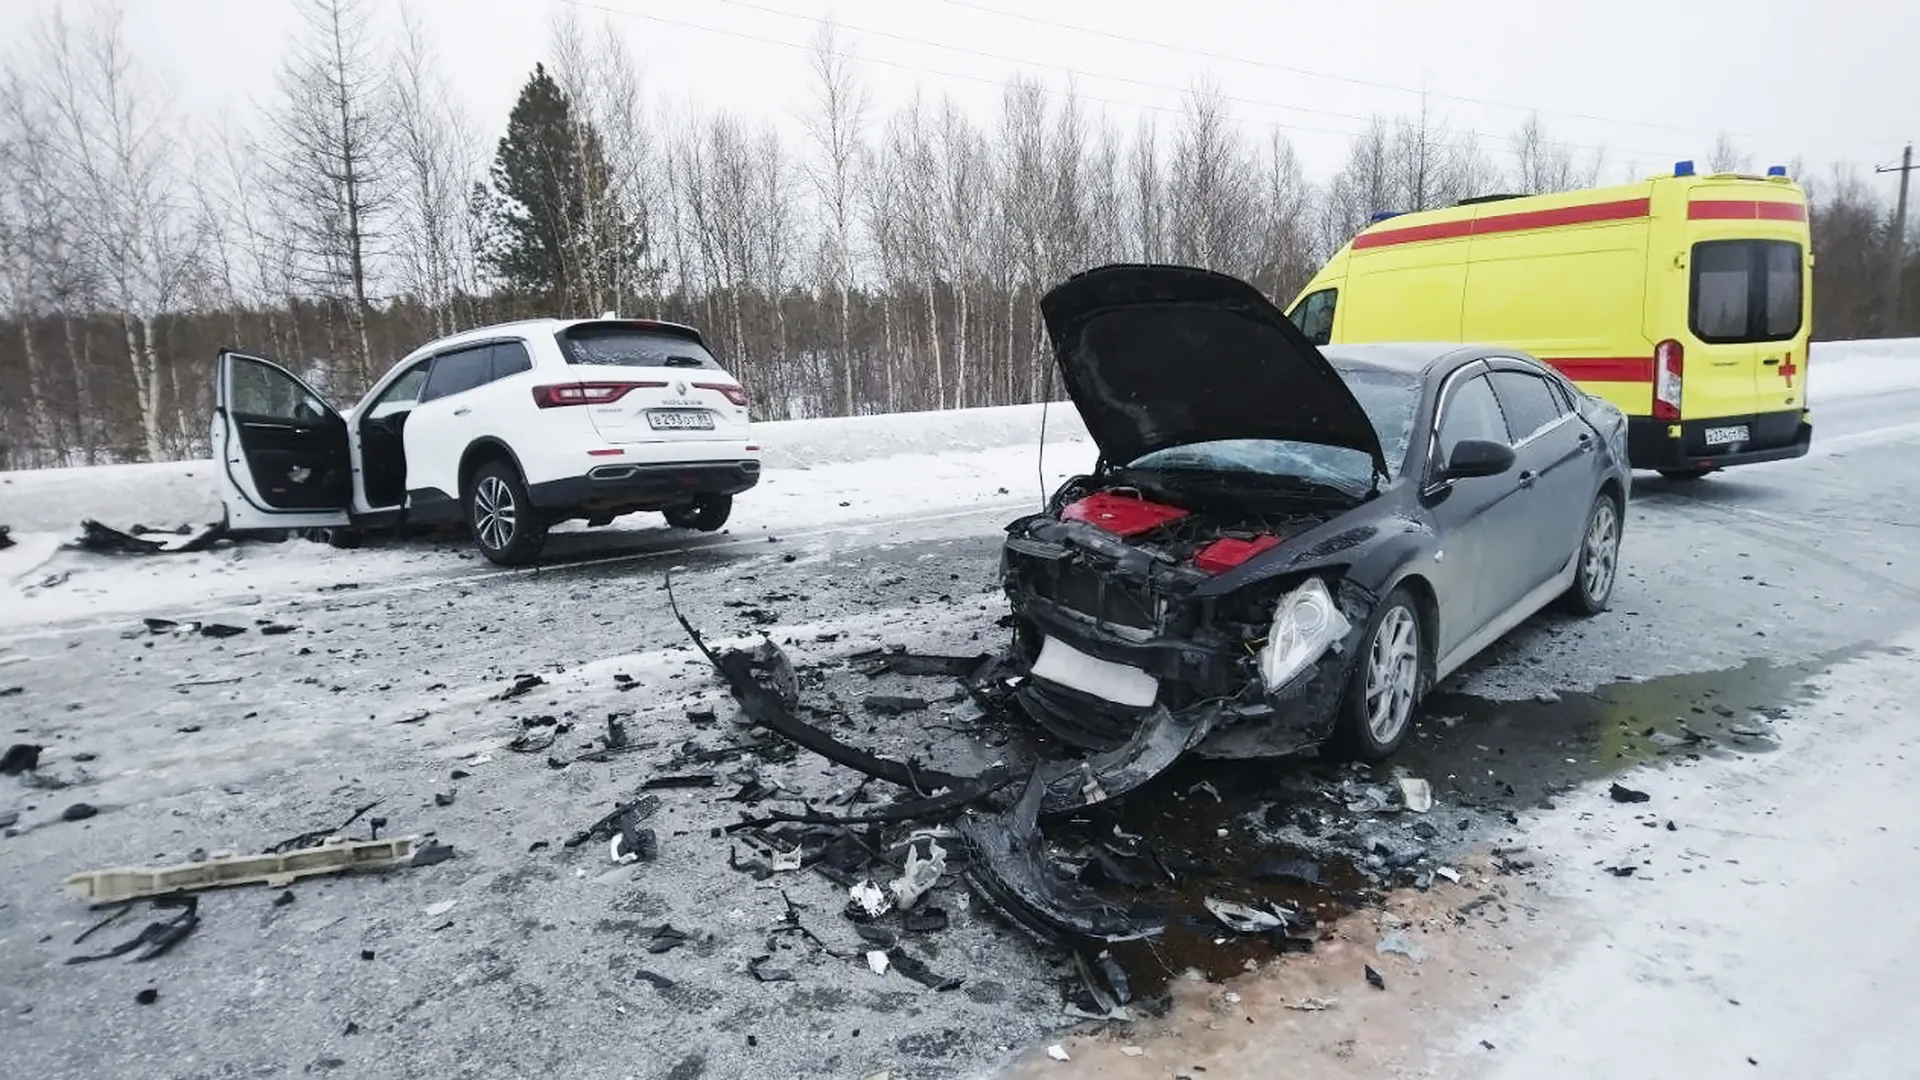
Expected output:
{"points": [[480, 451], [1427, 606]]}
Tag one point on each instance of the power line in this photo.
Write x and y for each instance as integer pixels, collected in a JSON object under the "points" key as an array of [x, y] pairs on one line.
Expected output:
{"points": [[1348, 79], [1070, 95], [1147, 83]]}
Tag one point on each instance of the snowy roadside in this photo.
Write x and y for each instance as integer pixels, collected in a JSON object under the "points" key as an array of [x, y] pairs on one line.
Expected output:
{"points": [[823, 475], [40, 583]]}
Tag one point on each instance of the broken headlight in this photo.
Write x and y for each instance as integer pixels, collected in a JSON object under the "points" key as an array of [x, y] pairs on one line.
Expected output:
{"points": [[1306, 623]]}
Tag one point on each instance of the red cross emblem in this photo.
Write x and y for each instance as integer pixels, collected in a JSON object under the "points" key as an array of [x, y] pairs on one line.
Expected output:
{"points": [[1787, 370]]}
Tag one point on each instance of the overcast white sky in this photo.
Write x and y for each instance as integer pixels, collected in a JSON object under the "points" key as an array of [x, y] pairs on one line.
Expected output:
{"points": [[1652, 80]]}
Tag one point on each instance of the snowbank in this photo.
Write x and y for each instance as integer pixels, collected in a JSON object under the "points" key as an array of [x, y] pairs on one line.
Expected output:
{"points": [[178, 492], [1850, 369]]}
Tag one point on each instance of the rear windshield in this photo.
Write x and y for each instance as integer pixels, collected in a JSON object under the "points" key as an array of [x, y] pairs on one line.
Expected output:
{"points": [[1745, 291], [633, 346]]}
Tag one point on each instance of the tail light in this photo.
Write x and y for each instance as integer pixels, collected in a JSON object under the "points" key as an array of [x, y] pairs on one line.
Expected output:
{"points": [[1669, 362], [587, 393], [732, 393]]}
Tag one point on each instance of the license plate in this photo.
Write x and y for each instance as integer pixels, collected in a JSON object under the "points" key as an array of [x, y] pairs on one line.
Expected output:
{"points": [[1721, 436], [680, 419]]}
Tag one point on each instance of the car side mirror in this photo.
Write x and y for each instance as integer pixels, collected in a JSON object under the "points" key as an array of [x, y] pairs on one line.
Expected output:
{"points": [[1478, 457]]}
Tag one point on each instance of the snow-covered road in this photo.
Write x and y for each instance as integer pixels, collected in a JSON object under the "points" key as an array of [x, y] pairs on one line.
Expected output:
{"points": [[1737, 590]]}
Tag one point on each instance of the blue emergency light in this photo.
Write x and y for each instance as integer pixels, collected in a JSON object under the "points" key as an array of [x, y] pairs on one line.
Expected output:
{"points": [[1776, 170], [1683, 168]]}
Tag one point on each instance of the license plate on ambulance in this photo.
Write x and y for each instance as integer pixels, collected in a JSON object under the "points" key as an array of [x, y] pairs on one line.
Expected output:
{"points": [[679, 419], [1723, 436]]}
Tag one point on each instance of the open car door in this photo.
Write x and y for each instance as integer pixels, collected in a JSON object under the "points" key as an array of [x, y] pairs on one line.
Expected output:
{"points": [[281, 450]]}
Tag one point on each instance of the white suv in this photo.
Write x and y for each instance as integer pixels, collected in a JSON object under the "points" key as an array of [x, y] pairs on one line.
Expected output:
{"points": [[511, 428]]}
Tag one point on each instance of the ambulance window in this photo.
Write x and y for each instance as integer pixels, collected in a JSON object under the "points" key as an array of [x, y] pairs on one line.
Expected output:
{"points": [[1471, 412], [1746, 291], [1528, 402], [1783, 291], [1314, 316]]}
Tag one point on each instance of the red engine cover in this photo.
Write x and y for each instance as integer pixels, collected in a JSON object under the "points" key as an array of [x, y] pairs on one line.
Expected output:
{"points": [[1121, 515], [1228, 552]]}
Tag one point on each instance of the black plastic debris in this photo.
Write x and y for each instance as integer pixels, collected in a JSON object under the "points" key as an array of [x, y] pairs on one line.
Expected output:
{"points": [[759, 968], [432, 853], [443, 798], [635, 812], [156, 937], [1374, 978], [880, 662], [1622, 871], [1009, 870], [666, 938], [283, 898], [6, 537], [1627, 795], [79, 812], [924, 920], [147, 996], [12, 691], [367, 954], [616, 737], [659, 981], [916, 969], [221, 630], [316, 836], [522, 685], [683, 780], [891, 705], [160, 626], [19, 758], [275, 629], [632, 842]]}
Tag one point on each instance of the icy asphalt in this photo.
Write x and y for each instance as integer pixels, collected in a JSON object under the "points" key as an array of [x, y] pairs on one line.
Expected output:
{"points": [[1754, 581]]}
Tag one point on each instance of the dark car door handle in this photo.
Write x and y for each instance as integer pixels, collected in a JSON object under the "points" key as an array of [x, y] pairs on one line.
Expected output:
{"points": [[1771, 360], [1527, 477]]}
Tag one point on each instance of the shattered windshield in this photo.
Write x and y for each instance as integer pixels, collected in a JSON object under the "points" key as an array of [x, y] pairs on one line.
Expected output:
{"points": [[1388, 398]]}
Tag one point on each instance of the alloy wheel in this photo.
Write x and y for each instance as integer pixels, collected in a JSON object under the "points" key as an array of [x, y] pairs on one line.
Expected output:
{"points": [[494, 514], [1393, 674], [1602, 551]]}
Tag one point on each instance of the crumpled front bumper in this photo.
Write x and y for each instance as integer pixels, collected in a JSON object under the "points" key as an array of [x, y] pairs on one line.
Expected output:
{"points": [[1215, 679]]}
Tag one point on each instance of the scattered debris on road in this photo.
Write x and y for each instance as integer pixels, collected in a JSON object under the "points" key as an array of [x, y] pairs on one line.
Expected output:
{"points": [[275, 869], [1621, 794]]}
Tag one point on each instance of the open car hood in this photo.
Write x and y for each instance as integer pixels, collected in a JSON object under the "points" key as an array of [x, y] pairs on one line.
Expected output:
{"points": [[1161, 356]]}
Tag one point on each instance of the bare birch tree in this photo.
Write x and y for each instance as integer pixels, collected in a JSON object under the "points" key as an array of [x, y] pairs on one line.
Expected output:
{"points": [[117, 148], [434, 165], [334, 152], [836, 129]]}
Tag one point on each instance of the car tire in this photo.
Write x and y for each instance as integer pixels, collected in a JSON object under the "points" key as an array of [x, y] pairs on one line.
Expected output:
{"points": [[505, 526], [706, 513], [1366, 728], [1597, 564], [1685, 474]]}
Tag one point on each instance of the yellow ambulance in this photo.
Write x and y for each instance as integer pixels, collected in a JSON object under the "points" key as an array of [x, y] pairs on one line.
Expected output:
{"points": [[1683, 299]]}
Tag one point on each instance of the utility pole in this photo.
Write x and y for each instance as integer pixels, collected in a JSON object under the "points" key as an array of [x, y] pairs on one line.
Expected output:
{"points": [[1896, 255]]}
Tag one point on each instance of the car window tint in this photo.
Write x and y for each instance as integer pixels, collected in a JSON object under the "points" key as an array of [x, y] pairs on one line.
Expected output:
{"points": [[630, 345], [455, 372], [402, 394], [263, 390], [1527, 402], [1314, 316], [510, 358], [1471, 412]]}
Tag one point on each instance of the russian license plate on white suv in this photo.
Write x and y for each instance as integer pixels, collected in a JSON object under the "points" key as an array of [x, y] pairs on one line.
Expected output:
{"points": [[679, 419], [1721, 436]]}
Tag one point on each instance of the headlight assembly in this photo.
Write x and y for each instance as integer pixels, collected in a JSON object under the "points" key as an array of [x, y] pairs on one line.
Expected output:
{"points": [[1306, 623]]}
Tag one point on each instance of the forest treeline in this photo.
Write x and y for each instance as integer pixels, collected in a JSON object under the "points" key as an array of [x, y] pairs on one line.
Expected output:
{"points": [[883, 261]]}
